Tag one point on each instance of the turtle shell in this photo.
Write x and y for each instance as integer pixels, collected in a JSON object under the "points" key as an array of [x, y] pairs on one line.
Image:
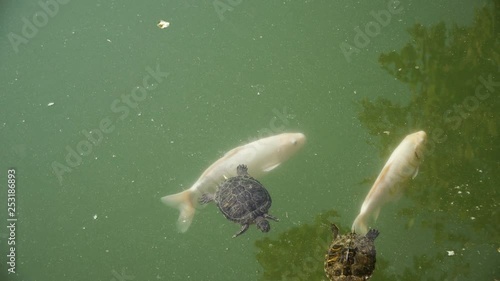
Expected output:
{"points": [[351, 257], [242, 198]]}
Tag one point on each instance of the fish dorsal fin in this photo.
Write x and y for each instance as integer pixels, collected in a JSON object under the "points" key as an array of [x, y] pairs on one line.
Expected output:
{"points": [[267, 169]]}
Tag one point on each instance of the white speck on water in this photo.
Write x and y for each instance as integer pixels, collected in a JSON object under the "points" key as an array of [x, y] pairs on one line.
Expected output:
{"points": [[95, 216], [259, 87], [472, 218], [50, 104], [163, 24], [451, 253], [114, 156], [108, 40]]}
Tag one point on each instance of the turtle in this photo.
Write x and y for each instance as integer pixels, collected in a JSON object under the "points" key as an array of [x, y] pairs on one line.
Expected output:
{"points": [[244, 200], [351, 257]]}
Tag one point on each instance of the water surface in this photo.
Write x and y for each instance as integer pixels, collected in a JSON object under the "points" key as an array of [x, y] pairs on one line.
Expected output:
{"points": [[355, 78]]}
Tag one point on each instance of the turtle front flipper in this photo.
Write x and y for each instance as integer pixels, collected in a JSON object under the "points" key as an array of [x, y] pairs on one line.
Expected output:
{"points": [[268, 216], [242, 230], [242, 170], [372, 234]]}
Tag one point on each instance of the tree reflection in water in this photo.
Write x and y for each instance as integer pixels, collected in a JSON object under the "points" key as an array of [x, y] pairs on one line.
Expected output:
{"points": [[453, 76]]}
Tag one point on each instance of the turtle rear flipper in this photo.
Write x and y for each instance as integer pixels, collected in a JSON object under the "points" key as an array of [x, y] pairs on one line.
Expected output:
{"points": [[206, 198]]}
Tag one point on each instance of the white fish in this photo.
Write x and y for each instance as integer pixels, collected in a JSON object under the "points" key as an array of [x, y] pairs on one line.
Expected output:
{"points": [[402, 165], [260, 156]]}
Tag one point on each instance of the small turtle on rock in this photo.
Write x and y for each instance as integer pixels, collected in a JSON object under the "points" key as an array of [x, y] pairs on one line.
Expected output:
{"points": [[242, 199], [351, 257]]}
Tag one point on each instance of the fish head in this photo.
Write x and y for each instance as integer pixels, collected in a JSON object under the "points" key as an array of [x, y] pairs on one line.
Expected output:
{"points": [[290, 143], [419, 139]]}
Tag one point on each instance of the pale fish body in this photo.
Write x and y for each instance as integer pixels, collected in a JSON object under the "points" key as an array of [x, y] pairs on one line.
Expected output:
{"points": [[402, 165], [260, 156]]}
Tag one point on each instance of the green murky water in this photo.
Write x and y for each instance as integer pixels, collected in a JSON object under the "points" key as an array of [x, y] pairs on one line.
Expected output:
{"points": [[163, 104]]}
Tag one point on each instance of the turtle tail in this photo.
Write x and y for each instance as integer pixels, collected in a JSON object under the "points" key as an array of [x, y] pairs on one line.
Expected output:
{"points": [[185, 202], [359, 226]]}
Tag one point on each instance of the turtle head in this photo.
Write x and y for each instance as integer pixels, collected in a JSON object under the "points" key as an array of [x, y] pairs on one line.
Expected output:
{"points": [[262, 224]]}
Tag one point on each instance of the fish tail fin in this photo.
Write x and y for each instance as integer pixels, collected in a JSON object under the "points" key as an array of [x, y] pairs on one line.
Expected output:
{"points": [[359, 225], [185, 201]]}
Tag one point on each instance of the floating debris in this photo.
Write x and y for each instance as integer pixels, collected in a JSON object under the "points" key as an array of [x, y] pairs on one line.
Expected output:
{"points": [[50, 104], [163, 24], [451, 253], [95, 216]]}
